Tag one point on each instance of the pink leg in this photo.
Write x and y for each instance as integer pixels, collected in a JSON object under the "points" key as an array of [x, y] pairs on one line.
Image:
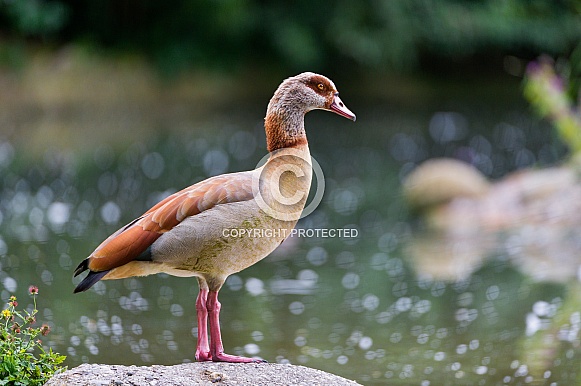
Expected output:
{"points": [[217, 348], [203, 348]]}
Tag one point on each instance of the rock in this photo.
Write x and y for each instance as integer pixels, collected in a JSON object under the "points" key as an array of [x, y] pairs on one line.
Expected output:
{"points": [[198, 373], [531, 216], [441, 180]]}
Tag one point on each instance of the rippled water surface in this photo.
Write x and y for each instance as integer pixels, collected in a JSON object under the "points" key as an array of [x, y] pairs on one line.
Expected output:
{"points": [[368, 307]]}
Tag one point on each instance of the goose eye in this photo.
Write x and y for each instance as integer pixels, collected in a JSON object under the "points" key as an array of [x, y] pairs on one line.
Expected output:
{"points": [[320, 86]]}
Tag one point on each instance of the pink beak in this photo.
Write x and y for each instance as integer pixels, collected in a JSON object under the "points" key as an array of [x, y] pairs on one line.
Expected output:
{"points": [[339, 107]]}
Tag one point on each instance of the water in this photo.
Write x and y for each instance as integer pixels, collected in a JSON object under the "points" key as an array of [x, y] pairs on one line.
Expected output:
{"points": [[368, 307]]}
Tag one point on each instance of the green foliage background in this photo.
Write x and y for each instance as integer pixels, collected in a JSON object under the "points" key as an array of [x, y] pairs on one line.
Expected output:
{"points": [[386, 35]]}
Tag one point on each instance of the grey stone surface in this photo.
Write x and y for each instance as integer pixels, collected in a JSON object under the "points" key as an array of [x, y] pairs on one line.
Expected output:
{"points": [[198, 373]]}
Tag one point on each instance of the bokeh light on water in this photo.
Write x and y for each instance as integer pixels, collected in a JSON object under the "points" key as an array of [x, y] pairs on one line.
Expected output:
{"points": [[359, 307]]}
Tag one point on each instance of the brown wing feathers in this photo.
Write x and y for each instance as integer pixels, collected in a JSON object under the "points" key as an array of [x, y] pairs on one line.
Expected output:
{"points": [[131, 241]]}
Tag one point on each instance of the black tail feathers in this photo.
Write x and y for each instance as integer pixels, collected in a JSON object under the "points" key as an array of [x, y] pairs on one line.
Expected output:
{"points": [[83, 266], [90, 279]]}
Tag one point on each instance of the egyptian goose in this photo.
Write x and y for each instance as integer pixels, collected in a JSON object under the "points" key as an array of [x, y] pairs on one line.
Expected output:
{"points": [[201, 231]]}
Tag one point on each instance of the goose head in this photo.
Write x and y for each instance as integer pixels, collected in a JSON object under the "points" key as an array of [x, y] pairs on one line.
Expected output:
{"points": [[308, 91], [296, 96]]}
